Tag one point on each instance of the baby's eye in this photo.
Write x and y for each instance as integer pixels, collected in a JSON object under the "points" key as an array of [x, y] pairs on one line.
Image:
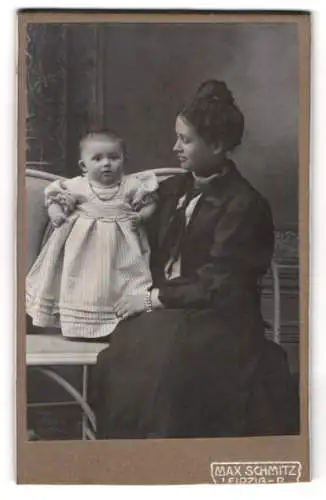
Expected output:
{"points": [[97, 157]]}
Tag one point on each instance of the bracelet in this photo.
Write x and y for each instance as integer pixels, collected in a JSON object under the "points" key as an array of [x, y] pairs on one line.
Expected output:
{"points": [[148, 302]]}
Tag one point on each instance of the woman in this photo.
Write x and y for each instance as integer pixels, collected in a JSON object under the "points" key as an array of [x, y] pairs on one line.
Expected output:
{"points": [[196, 363]]}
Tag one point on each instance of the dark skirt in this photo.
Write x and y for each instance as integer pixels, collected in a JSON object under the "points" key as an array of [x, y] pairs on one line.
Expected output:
{"points": [[177, 373]]}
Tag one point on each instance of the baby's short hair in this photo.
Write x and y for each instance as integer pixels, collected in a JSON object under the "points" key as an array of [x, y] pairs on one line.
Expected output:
{"points": [[103, 134]]}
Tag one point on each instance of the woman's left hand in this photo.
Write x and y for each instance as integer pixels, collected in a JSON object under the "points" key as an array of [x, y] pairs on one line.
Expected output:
{"points": [[129, 305]]}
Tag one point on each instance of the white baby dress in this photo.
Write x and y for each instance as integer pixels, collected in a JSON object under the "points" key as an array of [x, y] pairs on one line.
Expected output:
{"points": [[97, 256]]}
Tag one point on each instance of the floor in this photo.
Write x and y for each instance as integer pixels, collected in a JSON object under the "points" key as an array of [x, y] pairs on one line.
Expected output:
{"points": [[54, 423]]}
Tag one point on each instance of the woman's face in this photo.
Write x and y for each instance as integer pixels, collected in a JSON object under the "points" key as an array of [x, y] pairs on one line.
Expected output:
{"points": [[193, 153]]}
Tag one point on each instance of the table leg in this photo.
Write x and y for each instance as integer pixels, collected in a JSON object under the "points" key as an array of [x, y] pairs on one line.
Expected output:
{"points": [[81, 399], [84, 392]]}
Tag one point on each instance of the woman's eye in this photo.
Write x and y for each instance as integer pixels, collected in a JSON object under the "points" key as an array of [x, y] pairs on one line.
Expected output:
{"points": [[184, 139]]}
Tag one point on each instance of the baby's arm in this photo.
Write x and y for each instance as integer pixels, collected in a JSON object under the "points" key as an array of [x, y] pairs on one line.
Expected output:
{"points": [[56, 214], [59, 201], [146, 212], [143, 194]]}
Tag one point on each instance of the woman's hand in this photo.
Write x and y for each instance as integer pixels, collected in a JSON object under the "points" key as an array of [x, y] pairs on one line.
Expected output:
{"points": [[129, 305]]}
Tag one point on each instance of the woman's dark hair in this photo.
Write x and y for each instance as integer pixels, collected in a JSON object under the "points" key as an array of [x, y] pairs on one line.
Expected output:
{"points": [[215, 116]]}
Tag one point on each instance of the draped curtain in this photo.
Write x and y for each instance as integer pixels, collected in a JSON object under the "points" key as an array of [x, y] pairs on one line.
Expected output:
{"points": [[64, 83]]}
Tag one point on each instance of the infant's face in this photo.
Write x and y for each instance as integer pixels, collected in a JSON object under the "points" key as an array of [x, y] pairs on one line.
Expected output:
{"points": [[103, 159]]}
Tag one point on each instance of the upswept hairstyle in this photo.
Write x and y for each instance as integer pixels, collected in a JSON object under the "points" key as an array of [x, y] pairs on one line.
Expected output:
{"points": [[215, 115]]}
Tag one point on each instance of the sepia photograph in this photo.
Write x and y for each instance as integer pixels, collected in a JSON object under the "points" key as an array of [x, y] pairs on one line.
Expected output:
{"points": [[162, 227]]}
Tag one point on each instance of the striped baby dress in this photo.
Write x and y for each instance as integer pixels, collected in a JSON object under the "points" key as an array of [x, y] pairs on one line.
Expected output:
{"points": [[99, 254]]}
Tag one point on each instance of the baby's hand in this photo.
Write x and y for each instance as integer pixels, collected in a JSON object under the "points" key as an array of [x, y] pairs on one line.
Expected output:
{"points": [[56, 215], [135, 222], [147, 211], [58, 220]]}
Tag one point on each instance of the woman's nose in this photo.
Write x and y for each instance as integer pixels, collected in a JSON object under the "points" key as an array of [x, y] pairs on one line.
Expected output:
{"points": [[177, 147]]}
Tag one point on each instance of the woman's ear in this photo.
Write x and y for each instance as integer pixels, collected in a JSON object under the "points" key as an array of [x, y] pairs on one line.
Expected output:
{"points": [[82, 167], [217, 149]]}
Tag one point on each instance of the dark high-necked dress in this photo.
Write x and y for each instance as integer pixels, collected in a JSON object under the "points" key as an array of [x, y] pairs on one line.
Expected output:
{"points": [[201, 366]]}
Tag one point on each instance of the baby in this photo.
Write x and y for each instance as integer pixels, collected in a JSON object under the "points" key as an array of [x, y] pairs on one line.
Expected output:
{"points": [[98, 250]]}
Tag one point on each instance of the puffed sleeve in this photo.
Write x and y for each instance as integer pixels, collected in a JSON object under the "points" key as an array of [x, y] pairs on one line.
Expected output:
{"points": [[240, 253], [60, 192], [143, 188]]}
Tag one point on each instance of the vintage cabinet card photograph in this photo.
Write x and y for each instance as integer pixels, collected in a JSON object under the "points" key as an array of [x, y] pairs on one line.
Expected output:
{"points": [[163, 247]]}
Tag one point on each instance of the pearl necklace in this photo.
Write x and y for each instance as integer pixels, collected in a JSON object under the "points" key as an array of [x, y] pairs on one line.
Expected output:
{"points": [[105, 198]]}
